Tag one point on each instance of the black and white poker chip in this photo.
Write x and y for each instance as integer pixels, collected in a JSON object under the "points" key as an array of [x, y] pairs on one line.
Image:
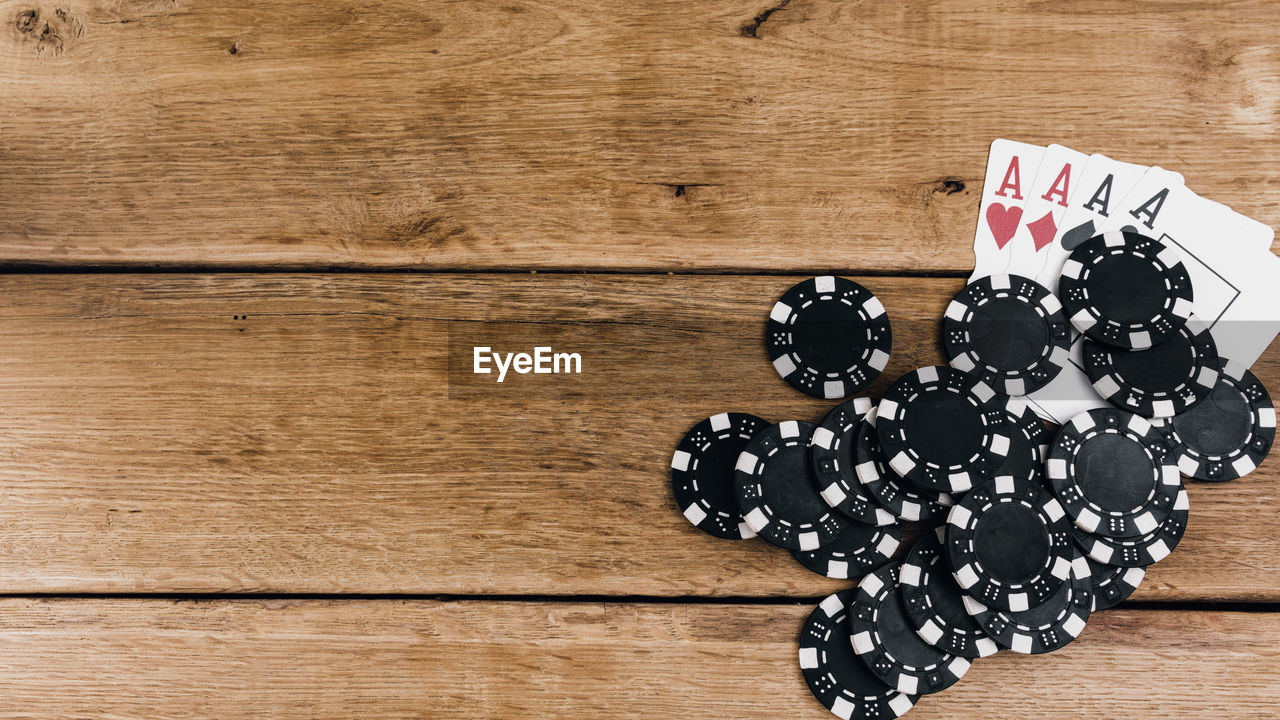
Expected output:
{"points": [[836, 676], [935, 604], [1009, 331], [882, 635], [1139, 551], [1125, 289], [1009, 543], [835, 460], [1113, 473], [1229, 433], [1161, 381], [777, 493], [856, 551], [893, 493], [1111, 584], [943, 429], [828, 336], [1028, 442], [1048, 626], [702, 473]]}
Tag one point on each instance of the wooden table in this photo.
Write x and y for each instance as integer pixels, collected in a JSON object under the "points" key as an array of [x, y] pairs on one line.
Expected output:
{"points": [[248, 472]]}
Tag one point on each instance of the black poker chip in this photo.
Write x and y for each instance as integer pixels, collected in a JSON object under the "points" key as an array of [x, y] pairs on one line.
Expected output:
{"points": [[1111, 584], [1125, 289], [836, 676], [1161, 381], [935, 604], [895, 494], [1009, 543], [943, 429], [777, 493], [1229, 433], [1008, 330], [883, 636], [1113, 473], [1028, 442], [702, 473], [856, 551], [835, 461], [1139, 551], [1048, 626], [828, 337]]}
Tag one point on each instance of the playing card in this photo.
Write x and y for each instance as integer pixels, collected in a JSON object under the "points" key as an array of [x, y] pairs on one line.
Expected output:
{"points": [[1103, 184], [1044, 208], [1011, 166]]}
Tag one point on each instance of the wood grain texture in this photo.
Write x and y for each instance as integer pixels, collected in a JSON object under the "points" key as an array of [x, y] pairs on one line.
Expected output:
{"points": [[595, 133], [382, 659], [325, 434]]}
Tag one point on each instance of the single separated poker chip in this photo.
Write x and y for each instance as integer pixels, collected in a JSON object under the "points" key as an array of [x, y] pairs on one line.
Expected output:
{"points": [[1028, 442], [1008, 330], [834, 464], [702, 473], [856, 551], [1048, 626], [1161, 381], [1111, 584], [828, 337], [943, 429], [935, 604], [1229, 433], [1139, 551], [1113, 473], [1125, 289], [882, 635], [776, 489], [1009, 544], [895, 494], [836, 676]]}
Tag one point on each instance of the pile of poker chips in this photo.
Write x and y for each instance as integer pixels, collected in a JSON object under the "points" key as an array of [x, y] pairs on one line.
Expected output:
{"points": [[1032, 530]]}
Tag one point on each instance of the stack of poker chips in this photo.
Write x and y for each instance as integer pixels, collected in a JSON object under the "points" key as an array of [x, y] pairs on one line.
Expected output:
{"points": [[1032, 530]]}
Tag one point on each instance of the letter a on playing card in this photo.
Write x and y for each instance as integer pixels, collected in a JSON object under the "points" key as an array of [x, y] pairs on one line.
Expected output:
{"points": [[1011, 167]]}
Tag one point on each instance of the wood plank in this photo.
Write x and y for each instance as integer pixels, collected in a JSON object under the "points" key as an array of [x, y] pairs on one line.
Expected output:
{"points": [[595, 133], [383, 659], [325, 434]]}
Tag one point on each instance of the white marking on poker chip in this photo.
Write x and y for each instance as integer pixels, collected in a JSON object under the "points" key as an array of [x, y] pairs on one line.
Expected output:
{"points": [[960, 481], [957, 311], [1062, 568], [756, 520], [1082, 422], [966, 577], [823, 438], [680, 461], [808, 658], [1000, 445], [1015, 406], [1059, 355], [1158, 551], [1053, 509], [911, 510], [902, 463], [1167, 256], [1139, 424], [834, 495], [1082, 321], [930, 633], [1001, 282], [887, 546], [1243, 466], [871, 585], [1004, 484], [842, 708], [958, 666], [809, 541], [1088, 520], [887, 408], [838, 569], [1113, 238], [747, 462], [1106, 386], [959, 516], [1071, 269], [1140, 340], [720, 421], [927, 375], [833, 389], [874, 307], [1207, 377], [781, 313], [1100, 552], [983, 392], [879, 359], [986, 647], [825, 283], [963, 362], [1015, 387], [745, 531], [1020, 643], [909, 574], [1163, 408], [1187, 465], [907, 684], [1019, 602], [789, 428], [831, 605], [1057, 468], [695, 514], [900, 704], [1074, 625], [1267, 417], [1182, 502], [1050, 304], [862, 643], [1234, 370], [1133, 576], [784, 365], [973, 606], [1169, 475]]}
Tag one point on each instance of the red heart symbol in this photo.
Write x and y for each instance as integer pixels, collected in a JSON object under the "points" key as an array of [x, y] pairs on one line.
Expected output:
{"points": [[1043, 230], [1003, 222]]}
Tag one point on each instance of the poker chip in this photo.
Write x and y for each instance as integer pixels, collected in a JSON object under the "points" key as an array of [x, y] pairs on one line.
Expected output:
{"points": [[1161, 381], [1125, 289], [893, 493], [1111, 584], [935, 604], [856, 551], [1009, 331], [777, 493], [702, 473], [1028, 442], [1048, 626], [836, 676], [1140, 551], [1229, 433], [1009, 543], [943, 429], [828, 337], [1113, 473], [835, 459], [884, 638]]}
